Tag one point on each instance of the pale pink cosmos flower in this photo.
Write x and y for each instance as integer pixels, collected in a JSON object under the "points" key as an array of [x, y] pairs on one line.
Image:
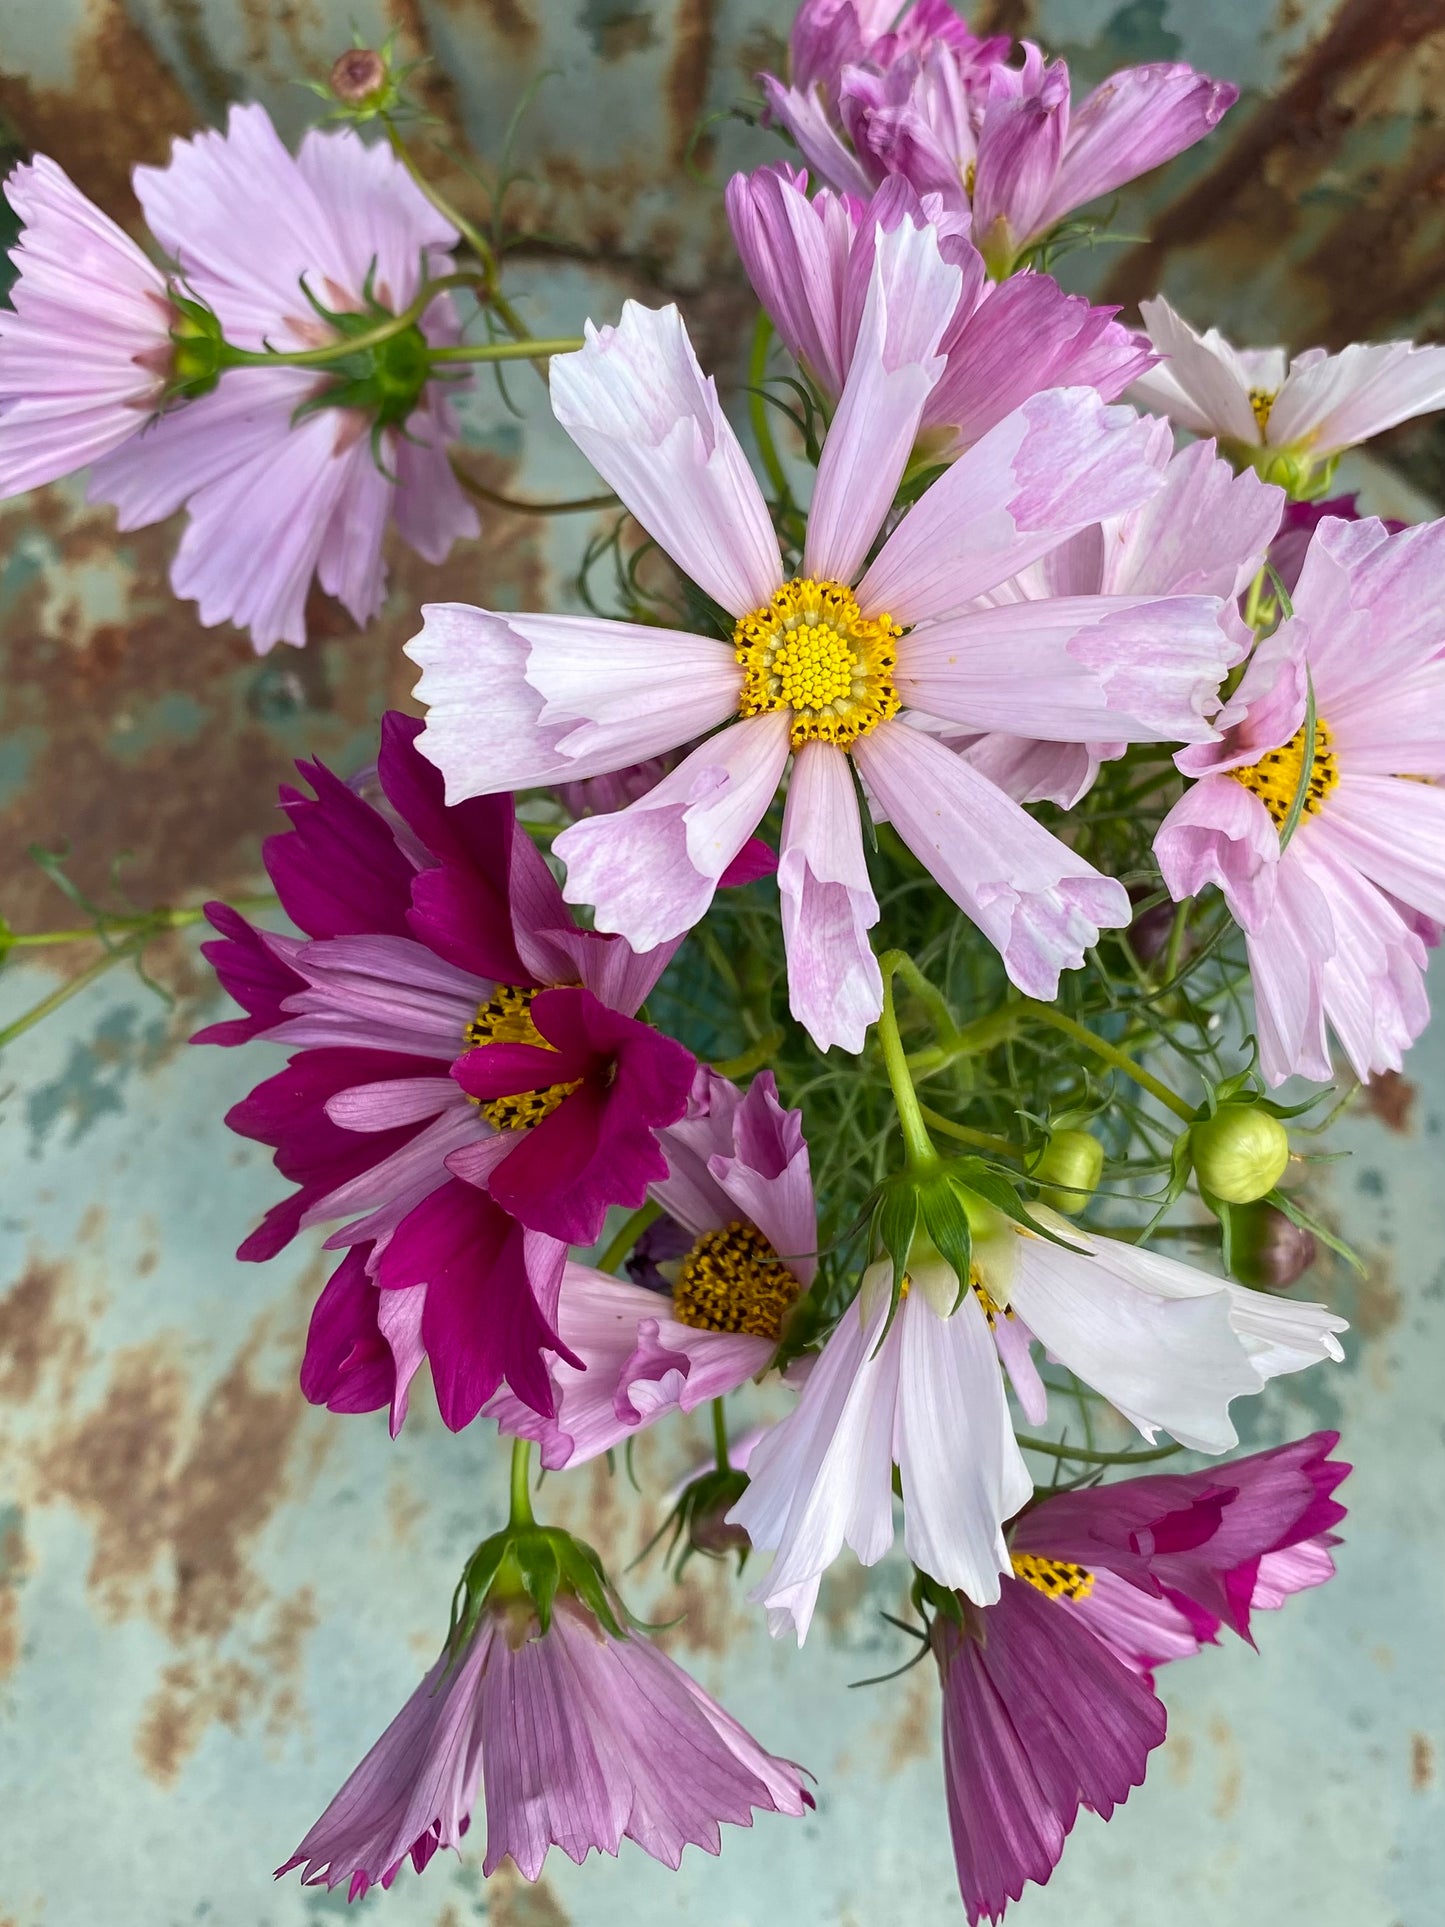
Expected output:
{"points": [[574, 1738], [810, 261], [85, 353], [1266, 403], [275, 503], [739, 1195], [1168, 1346], [819, 672], [1336, 923]]}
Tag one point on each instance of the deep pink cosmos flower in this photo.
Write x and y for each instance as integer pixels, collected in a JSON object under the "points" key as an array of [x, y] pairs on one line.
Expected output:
{"points": [[471, 1090], [820, 670], [810, 260], [740, 1199], [274, 501], [1337, 922], [1048, 1700], [574, 1737]]}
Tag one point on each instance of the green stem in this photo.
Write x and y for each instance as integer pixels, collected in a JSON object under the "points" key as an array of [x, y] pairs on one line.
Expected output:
{"points": [[1176, 939], [720, 1434], [965, 1134], [345, 345], [472, 235], [521, 1484], [630, 1231], [756, 1058], [1086, 1456], [968, 1040], [28, 1019], [154, 921], [1110, 1053], [514, 505], [758, 407], [918, 1143], [524, 350], [932, 999]]}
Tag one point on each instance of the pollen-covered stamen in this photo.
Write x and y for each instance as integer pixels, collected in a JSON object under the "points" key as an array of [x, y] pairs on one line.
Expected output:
{"points": [[733, 1281], [1275, 778], [1057, 1578], [1261, 400], [992, 1310], [506, 1018], [811, 650]]}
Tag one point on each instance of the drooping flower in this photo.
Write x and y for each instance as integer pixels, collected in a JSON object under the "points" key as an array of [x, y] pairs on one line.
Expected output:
{"points": [[1168, 1346], [819, 671], [809, 262], [274, 497], [740, 1197], [86, 353], [1048, 1700], [575, 1737], [470, 1091], [1285, 414], [1332, 921]]}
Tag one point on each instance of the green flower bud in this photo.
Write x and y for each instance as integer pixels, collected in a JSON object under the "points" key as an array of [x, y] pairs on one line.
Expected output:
{"points": [[1069, 1170], [1269, 1250], [1240, 1153]]}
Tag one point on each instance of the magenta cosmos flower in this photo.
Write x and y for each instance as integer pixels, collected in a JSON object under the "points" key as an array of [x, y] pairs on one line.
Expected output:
{"points": [[574, 1737], [1337, 922], [86, 352], [1168, 1346], [818, 673], [273, 501], [1048, 1700], [739, 1204], [470, 1092], [810, 261]]}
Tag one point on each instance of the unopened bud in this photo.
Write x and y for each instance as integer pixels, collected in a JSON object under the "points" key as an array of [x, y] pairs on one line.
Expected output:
{"points": [[358, 76], [710, 1532], [1069, 1170], [1240, 1153], [1269, 1250]]}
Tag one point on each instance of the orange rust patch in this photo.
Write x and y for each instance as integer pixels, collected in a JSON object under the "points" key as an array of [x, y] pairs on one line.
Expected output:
{"points": [[1391, 1098], [1422, 1763], [35, 1337], [1379, 1303], [14, 1565], [514, 1902], [686, 84]]}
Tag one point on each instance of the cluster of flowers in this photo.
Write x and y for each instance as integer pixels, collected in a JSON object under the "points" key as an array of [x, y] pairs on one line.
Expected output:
{"points": [[1005, 581]]}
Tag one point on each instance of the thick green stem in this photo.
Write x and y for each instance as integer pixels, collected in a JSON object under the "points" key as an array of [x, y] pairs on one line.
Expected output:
{"points": [[1109, 1053], [720, 1434], [998, 1147], [630, 1231], [756, 1058], [1086, 1456], [524, 350], [758, 407], [968, 1040], [346, 345], [522, 1483], [918, 1143]]}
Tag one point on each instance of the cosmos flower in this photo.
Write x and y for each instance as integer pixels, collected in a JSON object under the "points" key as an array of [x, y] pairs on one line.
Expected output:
{"points": [[276, 497], [1048, 1699], [470, 1090], [575, 1738], [1337, 922], [818, 672], [1168, 1346], [809, 263], [739, 1200], [1285, 414]]}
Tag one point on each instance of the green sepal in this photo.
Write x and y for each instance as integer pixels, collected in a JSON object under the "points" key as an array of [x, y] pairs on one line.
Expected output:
{"points": [[895, 1223], [1307, 1221], [983, 1181], [945, 1219], [198, 349]]}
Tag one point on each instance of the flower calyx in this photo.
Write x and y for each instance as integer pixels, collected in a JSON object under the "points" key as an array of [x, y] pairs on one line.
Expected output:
{"points": [[518, 1574], [383, 380], [699, 1522], [198, 349], [1304, 477], [926, 1214]]}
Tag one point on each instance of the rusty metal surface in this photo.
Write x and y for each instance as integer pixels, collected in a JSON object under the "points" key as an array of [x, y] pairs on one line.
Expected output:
{"points": [[211, 1596]]}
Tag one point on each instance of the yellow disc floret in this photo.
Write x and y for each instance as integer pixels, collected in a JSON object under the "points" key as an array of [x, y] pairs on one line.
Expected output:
{"points": [[733, 1281], [506, 1018], [1057, 1578], [1275, 778], [1261, 400], [811, 650]]}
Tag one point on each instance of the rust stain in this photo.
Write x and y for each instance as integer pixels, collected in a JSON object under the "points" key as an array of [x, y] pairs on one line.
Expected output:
{"points": [[1391, 1098], [704, 1602], [912, 1727], [1226, 1799], [514, 1902], [431, 85], [14, 1566], [1013, 17], [686, 84], [1179, 1752], [35, 1337], [844, 1587], [1379, 1302], [1422, 1763], [511, 21]]}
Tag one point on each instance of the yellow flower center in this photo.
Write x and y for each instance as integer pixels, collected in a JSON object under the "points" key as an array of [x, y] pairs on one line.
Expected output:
{"points": [[733, 1281], [992, 1310], [811, 650], [1261, 400], [506, 1018], [1056, 1578], [1276, 777]]}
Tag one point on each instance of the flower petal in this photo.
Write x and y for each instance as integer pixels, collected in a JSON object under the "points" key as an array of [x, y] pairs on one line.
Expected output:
{"points": [[834, 987], [1203, 370]]}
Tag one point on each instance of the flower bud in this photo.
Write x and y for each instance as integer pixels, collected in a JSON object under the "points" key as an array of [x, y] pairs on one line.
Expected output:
{"points": [[359, 74], [1069, 1170], [1268, 1250], [1240, 1153]]}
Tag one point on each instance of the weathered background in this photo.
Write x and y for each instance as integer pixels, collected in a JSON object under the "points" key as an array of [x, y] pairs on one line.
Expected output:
{"points": [[211, 1596]]}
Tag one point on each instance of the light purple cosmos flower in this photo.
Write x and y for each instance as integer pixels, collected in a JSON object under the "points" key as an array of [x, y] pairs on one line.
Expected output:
{"points": [[1333, 922], [817, 672], [1168, 1346], [739, 1194], [810, 262], [575, 1738], [1264, 404], [274, 502], [471, 1090], [85, 354], [1048, 1700]]}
